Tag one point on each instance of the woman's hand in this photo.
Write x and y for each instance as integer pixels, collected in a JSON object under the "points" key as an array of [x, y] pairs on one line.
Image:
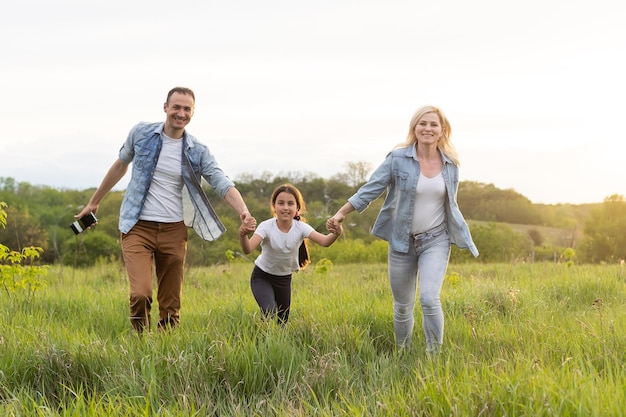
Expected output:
{"points": [[333, 224]]}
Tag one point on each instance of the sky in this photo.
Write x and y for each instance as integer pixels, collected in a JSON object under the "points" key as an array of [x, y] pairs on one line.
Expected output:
{"points": [[534, 90]]}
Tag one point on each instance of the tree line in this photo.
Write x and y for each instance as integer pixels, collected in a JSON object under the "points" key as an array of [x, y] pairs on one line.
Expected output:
{"points": [[506, 226]]}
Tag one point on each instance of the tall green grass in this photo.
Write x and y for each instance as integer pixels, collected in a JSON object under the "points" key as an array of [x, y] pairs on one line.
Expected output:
{"points": [[531, 340]]}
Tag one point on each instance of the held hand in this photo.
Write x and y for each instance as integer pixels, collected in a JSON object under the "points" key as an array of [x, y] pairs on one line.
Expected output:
{"points": [[245, 215], [333, 224], [248, 224]]}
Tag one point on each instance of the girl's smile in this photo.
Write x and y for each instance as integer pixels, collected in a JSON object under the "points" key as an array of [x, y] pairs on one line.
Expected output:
{"points": [[285, 206]]}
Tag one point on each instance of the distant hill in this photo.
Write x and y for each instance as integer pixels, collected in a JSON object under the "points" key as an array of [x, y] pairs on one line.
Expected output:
{"points": [[552, 236]]}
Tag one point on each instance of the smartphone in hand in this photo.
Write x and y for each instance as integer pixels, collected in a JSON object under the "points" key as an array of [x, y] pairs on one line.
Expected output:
{"points": [[83, 223]]}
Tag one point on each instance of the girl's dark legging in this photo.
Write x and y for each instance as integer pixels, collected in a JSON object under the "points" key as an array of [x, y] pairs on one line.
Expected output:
{"points": [[272, 293]]}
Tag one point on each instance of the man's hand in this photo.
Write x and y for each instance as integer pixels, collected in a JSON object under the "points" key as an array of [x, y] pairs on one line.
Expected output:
{"points": [[248, 223], [89, 208]]}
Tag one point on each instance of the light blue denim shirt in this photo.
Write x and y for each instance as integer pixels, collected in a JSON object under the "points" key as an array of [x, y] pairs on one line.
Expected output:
{"points": [[142, 148], [398, 174]]}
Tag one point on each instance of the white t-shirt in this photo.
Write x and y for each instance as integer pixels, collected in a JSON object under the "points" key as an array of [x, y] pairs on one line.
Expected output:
{"points": [[429, 209], [279, 250], [164, 202]]}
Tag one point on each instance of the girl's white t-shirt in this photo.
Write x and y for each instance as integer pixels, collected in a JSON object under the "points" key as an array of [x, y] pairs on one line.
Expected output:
{"points": [[279, 250]]}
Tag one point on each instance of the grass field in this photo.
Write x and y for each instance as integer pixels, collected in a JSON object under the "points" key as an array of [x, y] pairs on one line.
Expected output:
{"points": [[521, 340]]}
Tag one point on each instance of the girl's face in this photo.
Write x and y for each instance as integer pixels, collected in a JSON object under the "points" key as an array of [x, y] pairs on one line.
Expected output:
{"points": [[428, 129], [285, 205]]}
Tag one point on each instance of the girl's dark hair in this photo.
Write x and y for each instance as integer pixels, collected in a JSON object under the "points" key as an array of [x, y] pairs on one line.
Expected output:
{"points": [[304, 257]]}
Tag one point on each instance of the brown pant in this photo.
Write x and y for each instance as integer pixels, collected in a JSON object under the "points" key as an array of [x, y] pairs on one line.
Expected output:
{"points": [[166, 245]]}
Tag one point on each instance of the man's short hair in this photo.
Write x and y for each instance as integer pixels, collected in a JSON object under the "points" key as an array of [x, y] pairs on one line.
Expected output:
{"points": [[180, 90]]}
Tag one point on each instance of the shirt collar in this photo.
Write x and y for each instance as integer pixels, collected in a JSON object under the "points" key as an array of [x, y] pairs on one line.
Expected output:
{"points": [[158, 129], [411, 152]]}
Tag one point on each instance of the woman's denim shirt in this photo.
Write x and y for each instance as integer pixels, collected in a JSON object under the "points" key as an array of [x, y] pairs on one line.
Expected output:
{"points": [[142, 148], [398, 174]]}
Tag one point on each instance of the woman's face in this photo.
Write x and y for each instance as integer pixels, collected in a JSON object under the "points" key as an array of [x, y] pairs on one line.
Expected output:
{"points": [[428, 129]]}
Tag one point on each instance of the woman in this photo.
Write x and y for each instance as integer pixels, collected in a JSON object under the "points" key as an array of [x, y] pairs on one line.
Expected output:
{"points": [[420, 218], [283, 251]]}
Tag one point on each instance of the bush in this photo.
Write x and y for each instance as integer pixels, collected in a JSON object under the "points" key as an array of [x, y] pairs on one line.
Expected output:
{"points": [[15, 277], [85, 249]]}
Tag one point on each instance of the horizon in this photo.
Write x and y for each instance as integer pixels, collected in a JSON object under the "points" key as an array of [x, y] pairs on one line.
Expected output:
{"points": [[274, 175]]}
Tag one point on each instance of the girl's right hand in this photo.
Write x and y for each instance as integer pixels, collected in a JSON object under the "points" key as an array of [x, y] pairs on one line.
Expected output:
{"points": [[333, 224]]}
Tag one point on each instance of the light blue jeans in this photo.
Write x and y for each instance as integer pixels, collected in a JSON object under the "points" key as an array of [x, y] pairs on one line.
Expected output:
{"points": [[428, 257]]}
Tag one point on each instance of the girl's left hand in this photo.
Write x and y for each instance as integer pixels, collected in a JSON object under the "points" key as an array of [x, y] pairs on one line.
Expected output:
{"points": [[248, 226]]}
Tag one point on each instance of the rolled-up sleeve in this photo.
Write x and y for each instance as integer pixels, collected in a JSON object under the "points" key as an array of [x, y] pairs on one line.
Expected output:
{"points": [[127, 151], [374, 188], [214, 175]]}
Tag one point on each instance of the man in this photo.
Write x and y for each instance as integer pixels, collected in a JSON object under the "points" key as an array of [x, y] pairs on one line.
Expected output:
{"points": [[168, 165]]}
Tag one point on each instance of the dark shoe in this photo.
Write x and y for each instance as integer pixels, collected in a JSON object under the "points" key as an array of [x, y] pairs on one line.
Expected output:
{"points": [[167, 324], [139, 325]]}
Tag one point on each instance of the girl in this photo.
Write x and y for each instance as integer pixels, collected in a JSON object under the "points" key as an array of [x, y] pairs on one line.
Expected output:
{"points": [[283, 251]]}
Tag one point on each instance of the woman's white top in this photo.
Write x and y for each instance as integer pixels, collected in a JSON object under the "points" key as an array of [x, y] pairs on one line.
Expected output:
{"points": [[429, 211]]}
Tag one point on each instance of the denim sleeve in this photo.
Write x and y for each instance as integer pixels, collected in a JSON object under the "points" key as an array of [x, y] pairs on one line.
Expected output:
{"points": [[214, 175], [375, 187], [127, 151]]}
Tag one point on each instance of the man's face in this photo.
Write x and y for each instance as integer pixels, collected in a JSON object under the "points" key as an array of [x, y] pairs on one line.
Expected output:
{"points": [[179, 110]]}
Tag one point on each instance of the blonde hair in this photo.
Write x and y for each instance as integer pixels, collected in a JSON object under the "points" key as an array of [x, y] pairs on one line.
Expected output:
{"points": [[444, 143]]}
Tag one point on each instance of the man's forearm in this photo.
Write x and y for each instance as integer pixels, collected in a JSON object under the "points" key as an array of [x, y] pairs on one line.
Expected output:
{"points": [[235, 200]]}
